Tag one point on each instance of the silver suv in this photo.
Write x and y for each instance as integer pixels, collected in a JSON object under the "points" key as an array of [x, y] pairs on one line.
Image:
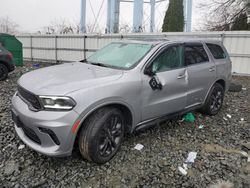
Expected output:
{"points": [[121, 88]]}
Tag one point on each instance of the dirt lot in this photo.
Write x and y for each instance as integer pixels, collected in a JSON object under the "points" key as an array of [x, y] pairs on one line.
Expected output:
{"points": [[219, 146]]}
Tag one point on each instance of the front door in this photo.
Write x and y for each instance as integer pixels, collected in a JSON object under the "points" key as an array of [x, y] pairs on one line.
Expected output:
{"points": [[171, 73]]}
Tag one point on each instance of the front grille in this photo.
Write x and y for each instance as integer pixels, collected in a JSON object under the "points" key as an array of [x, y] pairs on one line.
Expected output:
{"points": [[29, 98]]}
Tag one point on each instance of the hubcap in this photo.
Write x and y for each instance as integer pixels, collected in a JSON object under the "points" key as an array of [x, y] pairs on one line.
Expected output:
{"points": [[111, 135], [217, 98]]}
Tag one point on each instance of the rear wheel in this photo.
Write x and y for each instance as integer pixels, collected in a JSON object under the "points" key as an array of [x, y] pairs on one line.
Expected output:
{"points": [[101, 135], [3, 72], [214, 100]]}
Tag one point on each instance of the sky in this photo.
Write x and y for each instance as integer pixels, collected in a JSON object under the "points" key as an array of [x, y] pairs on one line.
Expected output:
{"points": [[33, 15]]}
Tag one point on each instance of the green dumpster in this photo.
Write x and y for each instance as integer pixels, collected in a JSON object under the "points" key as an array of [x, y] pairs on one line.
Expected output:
{"points": [[13, 45]]}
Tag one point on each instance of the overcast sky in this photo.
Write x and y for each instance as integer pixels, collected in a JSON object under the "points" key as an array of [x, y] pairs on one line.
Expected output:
{"points": [[32, 15]]}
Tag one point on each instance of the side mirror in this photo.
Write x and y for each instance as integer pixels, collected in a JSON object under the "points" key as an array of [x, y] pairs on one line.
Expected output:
{"points": [[155, 83], [148, 71]]}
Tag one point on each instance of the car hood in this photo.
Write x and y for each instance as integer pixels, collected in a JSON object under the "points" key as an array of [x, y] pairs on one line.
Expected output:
{"points": [[65, 78]]}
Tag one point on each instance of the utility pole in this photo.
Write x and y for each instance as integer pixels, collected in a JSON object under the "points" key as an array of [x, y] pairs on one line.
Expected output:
{"points": [[83, 17], [113, 12], [137, 16], [187, 7], [152, 15]]}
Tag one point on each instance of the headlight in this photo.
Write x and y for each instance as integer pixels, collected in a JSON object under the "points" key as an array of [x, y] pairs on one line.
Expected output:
{"points": [[57, 103]]}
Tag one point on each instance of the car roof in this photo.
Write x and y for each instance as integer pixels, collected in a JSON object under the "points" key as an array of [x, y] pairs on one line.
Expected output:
{"points": [[156, 41]]}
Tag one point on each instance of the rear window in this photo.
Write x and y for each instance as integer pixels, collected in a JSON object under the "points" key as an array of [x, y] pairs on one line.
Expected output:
{"points": [[216, 51]]}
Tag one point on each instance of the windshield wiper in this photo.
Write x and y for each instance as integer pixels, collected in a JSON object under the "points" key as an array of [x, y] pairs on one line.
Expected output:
{"points": [[98, 64], [93, 63], [84, 61]]}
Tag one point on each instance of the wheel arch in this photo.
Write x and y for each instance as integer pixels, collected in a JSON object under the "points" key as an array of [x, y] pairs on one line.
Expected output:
{"points": [[125, 109], [220, 81]]}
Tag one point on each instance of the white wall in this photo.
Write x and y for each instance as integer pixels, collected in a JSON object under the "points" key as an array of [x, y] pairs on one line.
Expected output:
{"points": [[56, 48]]}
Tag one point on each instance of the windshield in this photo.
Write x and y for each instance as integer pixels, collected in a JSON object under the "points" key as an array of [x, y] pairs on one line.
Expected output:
{"points": [[120, 55]]}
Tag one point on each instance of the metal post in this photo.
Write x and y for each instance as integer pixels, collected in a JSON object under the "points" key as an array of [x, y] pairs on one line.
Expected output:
{"points": [[83, 17], [31, 50], [116, 16], [108, 16], [113, 12], [137, 16], [185, 14], [152, 16], [189, 15], [56, 48]]}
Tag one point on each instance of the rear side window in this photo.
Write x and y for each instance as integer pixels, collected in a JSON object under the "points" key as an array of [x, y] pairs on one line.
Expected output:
{"points": [[195, 53], [216, 51]]}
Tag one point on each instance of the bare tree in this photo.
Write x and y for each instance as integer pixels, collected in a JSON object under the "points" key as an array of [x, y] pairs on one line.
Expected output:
{"points": [[61, 27], [222, 14], [7, 25]]}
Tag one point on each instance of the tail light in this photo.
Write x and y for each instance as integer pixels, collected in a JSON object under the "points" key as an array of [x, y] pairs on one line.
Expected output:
{"points": [[10, 56]]}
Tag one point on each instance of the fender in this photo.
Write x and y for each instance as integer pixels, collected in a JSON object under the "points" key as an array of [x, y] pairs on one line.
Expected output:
{"points": [[211, 88], [99, 104]]}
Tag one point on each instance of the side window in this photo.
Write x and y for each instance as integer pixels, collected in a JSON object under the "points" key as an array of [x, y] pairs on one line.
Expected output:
{"points": [[170, 58], [195, 54], [216, 51]]}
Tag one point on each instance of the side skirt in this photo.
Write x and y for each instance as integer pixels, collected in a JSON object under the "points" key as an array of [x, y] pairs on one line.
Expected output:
{"points": [[156, 121]]}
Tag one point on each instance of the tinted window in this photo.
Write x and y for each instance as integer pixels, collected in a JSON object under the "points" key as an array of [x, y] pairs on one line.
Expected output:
{"points": [[216, 51], [195, 54], [170, 58]]}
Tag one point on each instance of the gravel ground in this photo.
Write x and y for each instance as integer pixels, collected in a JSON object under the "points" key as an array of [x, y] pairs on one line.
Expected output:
{"points": [[218, 145]]}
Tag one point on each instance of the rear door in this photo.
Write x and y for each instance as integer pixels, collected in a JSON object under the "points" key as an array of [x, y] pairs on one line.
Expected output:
{"points": [[170, 71], [222, 61], [201, 73]]}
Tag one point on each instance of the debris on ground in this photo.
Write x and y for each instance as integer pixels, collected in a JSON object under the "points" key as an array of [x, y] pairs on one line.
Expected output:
{"points": [[21, 147], [36, 65], [139, 147], [229, 116], [182, 170], [189, 117], [191, 157], [225, 119], [201, 126]]}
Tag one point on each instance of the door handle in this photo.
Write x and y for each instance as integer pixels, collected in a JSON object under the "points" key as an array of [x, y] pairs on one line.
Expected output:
{"points": [[181, 76], [211, 69]]}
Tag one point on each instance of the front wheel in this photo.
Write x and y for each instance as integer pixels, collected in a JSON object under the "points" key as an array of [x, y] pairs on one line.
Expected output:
{"points": [[101, 135], [3, 72], [214, 100]]}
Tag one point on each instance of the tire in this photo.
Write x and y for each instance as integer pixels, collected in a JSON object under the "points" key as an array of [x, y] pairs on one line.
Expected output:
{"points": [[3, 72], [214, 100], [235, 87], [101, 135]]}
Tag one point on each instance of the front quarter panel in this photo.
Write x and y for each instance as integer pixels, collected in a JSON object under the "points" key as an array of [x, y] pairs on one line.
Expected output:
{"points": [[125, 91]]}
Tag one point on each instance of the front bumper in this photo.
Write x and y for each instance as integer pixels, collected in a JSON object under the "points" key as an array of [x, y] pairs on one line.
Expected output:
{"points": [[32, 128]]}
